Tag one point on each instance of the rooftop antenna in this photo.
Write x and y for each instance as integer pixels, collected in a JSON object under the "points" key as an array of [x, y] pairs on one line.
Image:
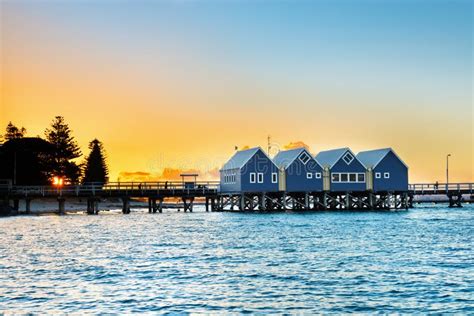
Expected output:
{"points": [[268, 145]]}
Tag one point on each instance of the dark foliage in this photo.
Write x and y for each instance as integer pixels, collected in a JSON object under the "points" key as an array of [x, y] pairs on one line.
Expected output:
{"points": [[66, 149], [13, 132], [23, 160], [95, 166]]}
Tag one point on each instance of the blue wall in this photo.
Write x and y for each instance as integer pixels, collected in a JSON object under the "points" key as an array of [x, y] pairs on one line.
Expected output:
{"points": [[354, 166], [230, 187], [296, 180], [259, 163], [398, 180]]}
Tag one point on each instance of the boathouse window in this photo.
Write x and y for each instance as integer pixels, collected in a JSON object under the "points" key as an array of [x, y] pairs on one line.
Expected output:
{"points": [[317, 175], [304, 157], [348, 177], [309, 175], [378, 175], [253, 177], [274, 177], [386, 175], [348, 157], [260, 177]]}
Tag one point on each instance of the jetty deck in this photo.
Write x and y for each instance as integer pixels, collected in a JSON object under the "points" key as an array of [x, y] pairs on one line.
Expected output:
{"points": [[208, 192]]}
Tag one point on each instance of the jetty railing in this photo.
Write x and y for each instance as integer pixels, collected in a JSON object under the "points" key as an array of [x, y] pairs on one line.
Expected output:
{"points": [[117, 188], [441, 188]]}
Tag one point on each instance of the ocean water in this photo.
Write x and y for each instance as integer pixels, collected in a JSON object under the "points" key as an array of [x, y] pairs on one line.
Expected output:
{"points": [[421, 260]]}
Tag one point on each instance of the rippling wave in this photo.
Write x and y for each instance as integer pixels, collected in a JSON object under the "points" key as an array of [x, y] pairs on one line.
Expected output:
{"points": [[421, 260]]}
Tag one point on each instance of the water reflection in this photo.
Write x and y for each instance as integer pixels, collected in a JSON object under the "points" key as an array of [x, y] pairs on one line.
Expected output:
{"points": [[421, 260]]}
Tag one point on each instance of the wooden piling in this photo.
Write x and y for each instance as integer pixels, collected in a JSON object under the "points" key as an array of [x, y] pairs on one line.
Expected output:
{"points": [[27, 206], [125, 205], [61, 206]]}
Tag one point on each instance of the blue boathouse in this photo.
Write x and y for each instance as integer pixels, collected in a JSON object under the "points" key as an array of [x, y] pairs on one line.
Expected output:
{"points": [[386, 171], [249, 170], [343, 171], [298, 171]]}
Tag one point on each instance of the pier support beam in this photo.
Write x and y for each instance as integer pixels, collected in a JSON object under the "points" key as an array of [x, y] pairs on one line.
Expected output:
{"points": [[61, 204], [27, 206], [455, 200], [150, 208], [262, 203], [125, 205], [16, 205], [92, 206], [160, 205], [188, 204]]}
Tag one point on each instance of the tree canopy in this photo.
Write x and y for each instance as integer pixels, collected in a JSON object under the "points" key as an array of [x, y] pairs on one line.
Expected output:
{"points": [[96, 169], [13, 132], [66, 149]]}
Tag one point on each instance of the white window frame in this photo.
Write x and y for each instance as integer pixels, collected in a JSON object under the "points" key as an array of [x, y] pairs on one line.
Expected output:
{"points": [[309, 175], [253, 177], [338, 176], [274, 177], [317, 175], [357, 177], [349, 177], [345, 174], [260, 177], [378, 175], [386, 175], [348, 154], [304, 154]]}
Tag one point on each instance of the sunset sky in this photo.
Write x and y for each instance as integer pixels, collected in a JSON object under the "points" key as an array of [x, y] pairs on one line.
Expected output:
{"points": [[177, 84]]}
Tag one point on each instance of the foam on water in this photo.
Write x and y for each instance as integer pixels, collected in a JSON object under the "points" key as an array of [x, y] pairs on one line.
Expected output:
{"points": [[416, 261]]}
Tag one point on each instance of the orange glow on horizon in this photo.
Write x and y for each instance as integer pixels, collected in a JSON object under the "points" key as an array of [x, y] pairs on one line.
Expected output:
{"points": [[160, 112]]}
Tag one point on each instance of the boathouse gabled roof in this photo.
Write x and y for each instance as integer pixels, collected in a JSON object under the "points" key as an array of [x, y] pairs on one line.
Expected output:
{"points": [[330, 157], [285, 158], [240, 158], [371, 158]]}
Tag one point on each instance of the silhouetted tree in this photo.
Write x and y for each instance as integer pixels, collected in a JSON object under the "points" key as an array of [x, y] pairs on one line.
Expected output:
{"points": [[66, 149], [96, 169], [13, 132], [22, 160]]}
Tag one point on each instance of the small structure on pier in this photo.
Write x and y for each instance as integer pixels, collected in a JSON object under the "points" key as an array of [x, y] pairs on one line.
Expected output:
{"points": [[186, 179], [249, 170], [386, 171], [343, 171], [298, 171]]}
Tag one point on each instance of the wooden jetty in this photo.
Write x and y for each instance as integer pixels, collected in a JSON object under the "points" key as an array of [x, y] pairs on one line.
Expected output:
{"points": [[154, 192], [454, 192], [188, 191]]}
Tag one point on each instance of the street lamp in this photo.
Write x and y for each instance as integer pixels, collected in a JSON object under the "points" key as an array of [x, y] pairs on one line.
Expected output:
{"points": [[447, 169]]}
